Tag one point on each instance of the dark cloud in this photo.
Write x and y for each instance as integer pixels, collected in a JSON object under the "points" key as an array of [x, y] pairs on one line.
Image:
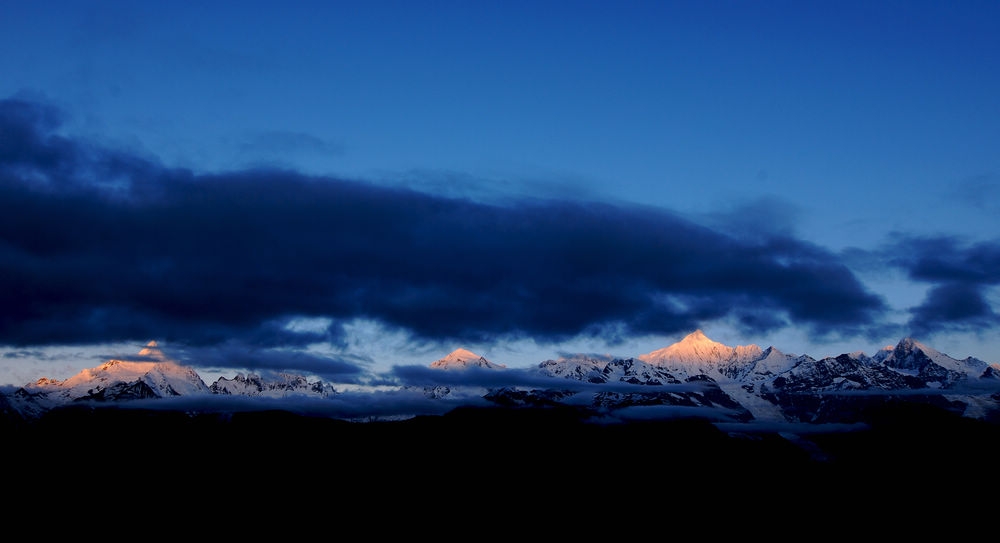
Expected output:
{"points": [[101, 245], [265, 361], [23, 354], [960, 274], [945, 258], [958, 307]]}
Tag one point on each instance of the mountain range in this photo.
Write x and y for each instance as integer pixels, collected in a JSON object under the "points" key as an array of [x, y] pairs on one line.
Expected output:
{"points": [[750, 437], [695, 377]]}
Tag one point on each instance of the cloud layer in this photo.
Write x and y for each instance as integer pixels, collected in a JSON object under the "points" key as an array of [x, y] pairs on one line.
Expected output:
{"points": [[104, 245], [100, 244], [960, 274]]}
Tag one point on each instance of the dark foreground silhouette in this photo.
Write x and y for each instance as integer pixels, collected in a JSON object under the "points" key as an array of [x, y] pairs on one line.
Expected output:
{"points": [[899, 436], [502, 461]]}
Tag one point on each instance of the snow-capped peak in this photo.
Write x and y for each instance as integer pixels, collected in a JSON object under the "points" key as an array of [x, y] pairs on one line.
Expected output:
{"points": [[913, 356], [697, 349], [463, 358], [154, 369]]}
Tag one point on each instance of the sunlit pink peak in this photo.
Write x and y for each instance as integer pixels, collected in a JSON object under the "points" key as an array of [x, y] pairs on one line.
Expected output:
{"points": [[462, 354], [151, 367], [696, 347], [697, 337], [463, 358]]}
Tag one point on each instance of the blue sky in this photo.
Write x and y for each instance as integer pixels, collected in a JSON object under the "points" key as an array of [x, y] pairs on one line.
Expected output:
{"points": [[344, 186]]}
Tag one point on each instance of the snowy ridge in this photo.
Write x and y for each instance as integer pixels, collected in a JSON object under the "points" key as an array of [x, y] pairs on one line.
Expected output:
{"points": [[579, 367], [157, 378], [594, 370], [914, 358], [153, 375], [694, 375], [696, 354], [462, 358], [775, 386], [770, 363], [281, 385]]}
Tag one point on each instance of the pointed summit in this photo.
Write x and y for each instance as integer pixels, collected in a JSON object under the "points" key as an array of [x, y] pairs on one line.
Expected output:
{"points": [[697, 338], [912, 355], [462, 358], [153, 373], [696, 349]]}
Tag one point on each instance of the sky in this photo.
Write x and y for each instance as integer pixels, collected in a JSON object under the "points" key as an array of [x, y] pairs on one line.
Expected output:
{"points": [[338, 188]]}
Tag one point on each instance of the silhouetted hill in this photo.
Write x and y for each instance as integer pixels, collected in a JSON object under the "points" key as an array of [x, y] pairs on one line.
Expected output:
{"points": [[535, 441], [533, 463]]}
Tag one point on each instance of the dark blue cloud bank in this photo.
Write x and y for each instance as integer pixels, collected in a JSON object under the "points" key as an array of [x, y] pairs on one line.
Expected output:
{"points": [[960, 275], [102, 245]]}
